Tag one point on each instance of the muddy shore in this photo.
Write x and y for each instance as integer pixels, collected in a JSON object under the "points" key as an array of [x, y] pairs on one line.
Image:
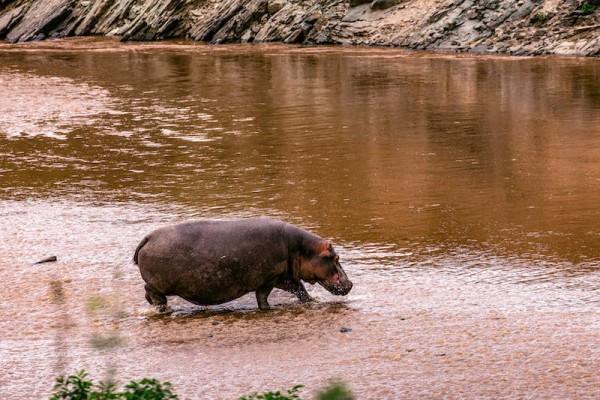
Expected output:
{"points": [[518, 27]]}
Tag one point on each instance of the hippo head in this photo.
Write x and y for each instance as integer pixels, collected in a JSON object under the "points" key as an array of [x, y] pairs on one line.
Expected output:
{"points": [[322, 266]]}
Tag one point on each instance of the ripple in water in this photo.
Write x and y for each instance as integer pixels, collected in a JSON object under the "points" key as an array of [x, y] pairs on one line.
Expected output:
{"points": [[48, 106]]}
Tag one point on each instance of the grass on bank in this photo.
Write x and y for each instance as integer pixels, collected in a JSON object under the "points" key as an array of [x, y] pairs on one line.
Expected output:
{"points": [[587, 8], [80, 387]]}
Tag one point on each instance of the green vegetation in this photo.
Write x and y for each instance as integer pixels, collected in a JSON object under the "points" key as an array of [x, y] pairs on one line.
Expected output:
{"points": [[587, 8], [290, 394], [539, 19], [335, 391], [80, 387]]}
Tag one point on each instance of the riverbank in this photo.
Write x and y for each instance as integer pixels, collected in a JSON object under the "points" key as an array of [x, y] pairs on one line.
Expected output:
{"points": [[518, 27]]}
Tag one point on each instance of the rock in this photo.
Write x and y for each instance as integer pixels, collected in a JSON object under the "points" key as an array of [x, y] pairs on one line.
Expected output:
{"points": [[275, 5], [39, 19], [247, 36], [473, 14], [383, 4], [9, 19], [345, 330], [251, 12], [458, 25], [157, 20], [47, 259], [313, 17], [356, 3]]}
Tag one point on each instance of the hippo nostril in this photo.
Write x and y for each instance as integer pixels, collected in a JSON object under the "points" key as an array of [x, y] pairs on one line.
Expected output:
{"points": [[348, 287]]}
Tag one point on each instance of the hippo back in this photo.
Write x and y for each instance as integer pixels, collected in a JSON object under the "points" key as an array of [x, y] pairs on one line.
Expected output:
{"points": [[213, 261]]}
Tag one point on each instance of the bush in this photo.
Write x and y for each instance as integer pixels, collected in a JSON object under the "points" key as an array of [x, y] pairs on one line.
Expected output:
{"points": [[335, 391], [587, 8], [80, 387], [74, 387], [539, 18], [290, 394]]}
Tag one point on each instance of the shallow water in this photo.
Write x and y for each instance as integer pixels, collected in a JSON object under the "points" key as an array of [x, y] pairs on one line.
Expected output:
{"points": [[461, 193]]}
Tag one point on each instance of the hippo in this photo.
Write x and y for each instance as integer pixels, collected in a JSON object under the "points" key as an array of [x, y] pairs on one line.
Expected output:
{"points": [[210, 262]]}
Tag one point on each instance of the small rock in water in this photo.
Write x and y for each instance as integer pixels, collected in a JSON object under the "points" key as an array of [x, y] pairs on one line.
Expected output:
{"points": [[345, 330], [47, 259]]}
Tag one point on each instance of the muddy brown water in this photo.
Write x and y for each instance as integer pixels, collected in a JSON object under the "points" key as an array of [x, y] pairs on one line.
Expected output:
{"points": [[462, 193]]}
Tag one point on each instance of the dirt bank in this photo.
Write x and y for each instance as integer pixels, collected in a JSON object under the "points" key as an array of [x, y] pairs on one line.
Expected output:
{"points": [[520, 27]]}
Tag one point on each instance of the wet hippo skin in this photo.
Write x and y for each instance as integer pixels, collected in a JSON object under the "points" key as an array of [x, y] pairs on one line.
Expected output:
{"points": [[215, 261]]}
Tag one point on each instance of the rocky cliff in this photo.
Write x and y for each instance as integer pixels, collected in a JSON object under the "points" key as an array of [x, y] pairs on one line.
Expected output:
{"points": [[509, 26]]}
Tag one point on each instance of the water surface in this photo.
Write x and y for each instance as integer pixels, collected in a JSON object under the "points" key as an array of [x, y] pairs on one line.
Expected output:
{"points": [[461, 192]]}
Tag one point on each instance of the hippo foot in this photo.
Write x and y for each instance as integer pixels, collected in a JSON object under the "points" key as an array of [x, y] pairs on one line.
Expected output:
{"points": [[306, 299], [155, 298], [261, 297], [163, 309]]}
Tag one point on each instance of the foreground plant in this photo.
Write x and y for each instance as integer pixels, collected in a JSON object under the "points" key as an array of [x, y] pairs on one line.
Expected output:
{"points": [[80, 387], [290, 394], [73, 387], [335, 391]]}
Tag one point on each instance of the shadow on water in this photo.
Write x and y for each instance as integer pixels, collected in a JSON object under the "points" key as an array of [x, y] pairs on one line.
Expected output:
{"points": [[239, 312]]}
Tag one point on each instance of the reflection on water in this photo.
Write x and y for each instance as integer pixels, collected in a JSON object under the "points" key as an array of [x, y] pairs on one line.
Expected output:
{"points": [[499, 152], [461, 192]]}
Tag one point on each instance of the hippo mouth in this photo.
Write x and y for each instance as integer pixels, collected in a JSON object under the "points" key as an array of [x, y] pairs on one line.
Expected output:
{"points": [[340, 289]]}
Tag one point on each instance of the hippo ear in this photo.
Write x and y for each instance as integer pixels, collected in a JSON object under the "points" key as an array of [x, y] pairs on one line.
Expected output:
{"points": [[324, 248], [325, 254]]}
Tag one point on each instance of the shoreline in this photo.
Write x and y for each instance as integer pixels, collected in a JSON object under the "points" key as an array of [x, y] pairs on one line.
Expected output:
{"points": [[114, 44]]}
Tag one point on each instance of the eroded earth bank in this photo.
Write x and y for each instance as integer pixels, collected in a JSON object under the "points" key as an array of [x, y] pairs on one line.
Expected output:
{"points": [[514, 26]]}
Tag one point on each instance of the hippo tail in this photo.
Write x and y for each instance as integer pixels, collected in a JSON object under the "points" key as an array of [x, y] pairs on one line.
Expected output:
{"points": [[137, 250]]}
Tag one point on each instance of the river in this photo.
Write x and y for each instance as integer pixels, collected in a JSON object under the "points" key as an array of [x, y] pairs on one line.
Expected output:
{"points": [[461, 193]]}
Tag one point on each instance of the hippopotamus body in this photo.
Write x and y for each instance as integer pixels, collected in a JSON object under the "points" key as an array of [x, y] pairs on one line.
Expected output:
{"points": [[212, 262]]}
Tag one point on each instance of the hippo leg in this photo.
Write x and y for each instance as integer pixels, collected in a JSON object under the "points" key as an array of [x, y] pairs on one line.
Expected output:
{"points": [[155, 298], [295, 287], [262, 293]]}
